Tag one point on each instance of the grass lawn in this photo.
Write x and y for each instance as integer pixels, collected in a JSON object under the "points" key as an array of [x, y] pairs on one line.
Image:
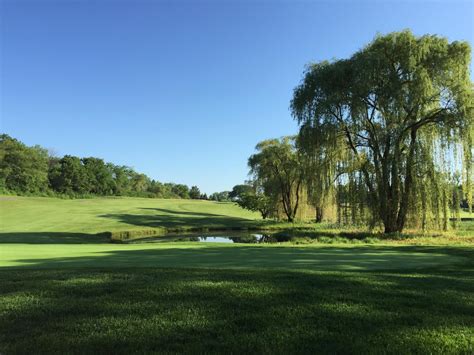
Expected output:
{"points": [[40, 219], [223, 255], [216, 310], [64, 290]]}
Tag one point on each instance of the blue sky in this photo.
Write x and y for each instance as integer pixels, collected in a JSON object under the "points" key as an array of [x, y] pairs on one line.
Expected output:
{"points": [[181, 90]]}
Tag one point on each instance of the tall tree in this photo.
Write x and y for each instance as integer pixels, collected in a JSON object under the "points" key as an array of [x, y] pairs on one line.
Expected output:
{"points": [[403, 107], [278, 167]]}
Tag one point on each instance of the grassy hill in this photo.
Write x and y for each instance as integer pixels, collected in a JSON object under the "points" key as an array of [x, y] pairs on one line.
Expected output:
{"points": [[44, 219], [52, 220]]}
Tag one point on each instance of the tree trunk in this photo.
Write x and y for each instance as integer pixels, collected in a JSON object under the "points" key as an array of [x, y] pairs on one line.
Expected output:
{"points": [[319, 214], [403, 210], [391, 226], [393, 208]]}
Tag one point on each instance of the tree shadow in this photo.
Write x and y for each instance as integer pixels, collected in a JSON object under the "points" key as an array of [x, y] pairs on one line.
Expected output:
{"points": [[201, 255], [167, 221], [184, 213], [237, 311], [54, 238]]}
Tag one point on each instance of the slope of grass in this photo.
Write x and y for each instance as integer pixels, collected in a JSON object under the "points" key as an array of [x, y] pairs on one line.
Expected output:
{"points": [[49, 218]]}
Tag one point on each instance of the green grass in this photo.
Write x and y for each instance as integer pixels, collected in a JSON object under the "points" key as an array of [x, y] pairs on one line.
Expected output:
{"points": [[222, 255], [63, 289], [40, 219], [51, 220], [237, 311]]}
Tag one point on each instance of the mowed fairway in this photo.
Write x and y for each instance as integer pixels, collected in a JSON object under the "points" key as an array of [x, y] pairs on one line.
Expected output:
{"points": [[64, 290], [37, 219]]}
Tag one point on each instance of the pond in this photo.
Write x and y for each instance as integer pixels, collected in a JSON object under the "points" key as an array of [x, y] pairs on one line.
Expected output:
{"points": [[223, 237]]}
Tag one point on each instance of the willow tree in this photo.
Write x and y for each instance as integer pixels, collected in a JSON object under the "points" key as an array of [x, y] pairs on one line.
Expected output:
{"points": [[321, 153], [278, 169], [403, 109]]}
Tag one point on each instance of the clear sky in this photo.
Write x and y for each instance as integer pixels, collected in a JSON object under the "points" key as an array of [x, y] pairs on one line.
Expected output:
{"points": [[181, 90]]}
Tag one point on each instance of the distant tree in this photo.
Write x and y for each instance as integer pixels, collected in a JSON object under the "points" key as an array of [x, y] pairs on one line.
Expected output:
{"points": [[239, 190], [99, 176], [167, 191], [180, 190], [155, 188], [122, 176], [68, 175], [402, 110], [22, 168], [140, 183], [31, 170], [222, 196], [204, 196], [194, 193], [54, 164], [257, 202]]}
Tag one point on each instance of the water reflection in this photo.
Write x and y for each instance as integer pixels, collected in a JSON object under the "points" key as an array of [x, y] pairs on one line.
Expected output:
{"points": [[249, 238]]}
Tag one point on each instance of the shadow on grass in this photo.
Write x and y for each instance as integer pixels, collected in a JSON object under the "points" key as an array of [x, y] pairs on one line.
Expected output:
{"points": [[54, 238], [254, 257], [184, 213], [178, 220], [237, 311]]}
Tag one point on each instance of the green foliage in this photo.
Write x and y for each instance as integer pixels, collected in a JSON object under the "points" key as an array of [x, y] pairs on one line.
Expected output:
{"points": [[68, 175], [402, 109], [222, 196], [194, 193], [279, 172], [31, 171], [180, 190], [22, 168], [98, 176], [257, 202], [239, 190]]}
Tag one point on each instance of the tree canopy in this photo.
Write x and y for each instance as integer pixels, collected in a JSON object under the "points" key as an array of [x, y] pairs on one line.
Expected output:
{"points": [[31, 170], [401, 109], [279, 171], [194, 193], [22, 168]]}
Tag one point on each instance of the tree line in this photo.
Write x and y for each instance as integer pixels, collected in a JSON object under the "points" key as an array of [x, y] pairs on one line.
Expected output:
{"points": [[33, 171], [386, 139]]}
